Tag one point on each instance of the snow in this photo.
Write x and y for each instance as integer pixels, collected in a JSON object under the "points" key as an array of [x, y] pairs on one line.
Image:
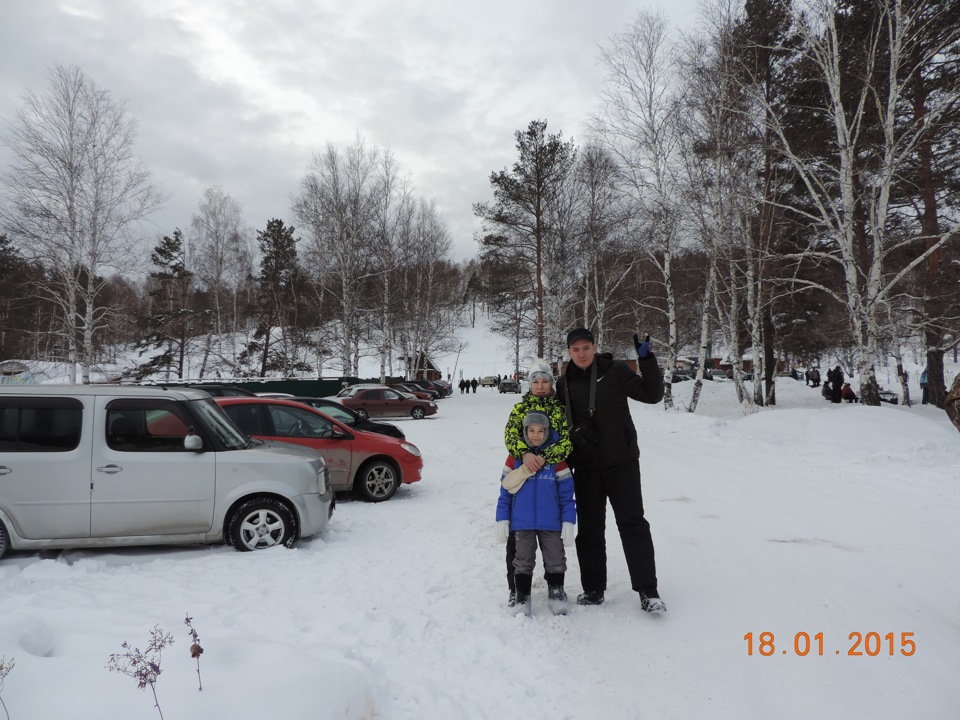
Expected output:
{"points": [[810, 517]]}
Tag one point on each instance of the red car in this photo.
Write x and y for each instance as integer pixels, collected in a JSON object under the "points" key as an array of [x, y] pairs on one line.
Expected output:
{"points": [[372, 401], [370, 464]]}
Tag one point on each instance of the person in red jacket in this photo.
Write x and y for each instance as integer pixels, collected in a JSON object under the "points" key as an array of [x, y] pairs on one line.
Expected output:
{"points": [[847, 393]]}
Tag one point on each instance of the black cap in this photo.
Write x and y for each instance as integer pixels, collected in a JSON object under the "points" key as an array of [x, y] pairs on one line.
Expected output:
{"points": [[579, 334]]}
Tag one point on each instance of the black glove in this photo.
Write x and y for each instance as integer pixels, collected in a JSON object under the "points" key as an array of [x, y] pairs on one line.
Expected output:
{"points": [[643, 348]]}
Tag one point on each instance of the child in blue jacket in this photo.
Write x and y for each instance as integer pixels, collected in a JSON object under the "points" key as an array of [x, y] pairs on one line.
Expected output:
{"points": [[539, 509]]}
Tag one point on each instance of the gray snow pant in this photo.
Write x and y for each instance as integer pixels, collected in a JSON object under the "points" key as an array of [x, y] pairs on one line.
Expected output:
{"points": [[551, 547]]}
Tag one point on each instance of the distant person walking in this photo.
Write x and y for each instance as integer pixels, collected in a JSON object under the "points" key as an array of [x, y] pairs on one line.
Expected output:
{"points": [[835, 378], [606, 462], [924, 389], [473, 384]]}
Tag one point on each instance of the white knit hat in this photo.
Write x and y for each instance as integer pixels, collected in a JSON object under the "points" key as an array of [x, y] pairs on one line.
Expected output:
{"points": [[540, 368]]}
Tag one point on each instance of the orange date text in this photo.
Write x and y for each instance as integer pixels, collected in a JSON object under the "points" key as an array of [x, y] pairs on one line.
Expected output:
{"points": [[802, 644]]}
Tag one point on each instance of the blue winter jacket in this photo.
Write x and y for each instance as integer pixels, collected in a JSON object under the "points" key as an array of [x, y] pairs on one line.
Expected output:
{"points": [[545, 500]]}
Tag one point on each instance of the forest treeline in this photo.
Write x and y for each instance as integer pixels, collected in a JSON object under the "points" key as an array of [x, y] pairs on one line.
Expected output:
{"points": [[780, 184]]}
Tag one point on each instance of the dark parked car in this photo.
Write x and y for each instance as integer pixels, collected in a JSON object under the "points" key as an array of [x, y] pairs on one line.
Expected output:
{"points": [[349, 418], [509, 385], [428, 385], [889, 397], [447, 387], [419, 392]]}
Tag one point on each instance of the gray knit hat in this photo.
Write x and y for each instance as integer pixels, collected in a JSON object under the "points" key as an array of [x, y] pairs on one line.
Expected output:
{"points": [[540, 368]]}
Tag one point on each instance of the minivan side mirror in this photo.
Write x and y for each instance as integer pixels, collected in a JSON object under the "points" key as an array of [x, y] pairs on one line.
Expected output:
{"points": [[193, 442]]}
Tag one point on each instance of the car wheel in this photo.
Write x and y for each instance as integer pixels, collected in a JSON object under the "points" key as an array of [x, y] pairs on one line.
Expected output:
{"points": [[4, 540], [377, 481], [417, 413], [262, 523], [362, 414]]}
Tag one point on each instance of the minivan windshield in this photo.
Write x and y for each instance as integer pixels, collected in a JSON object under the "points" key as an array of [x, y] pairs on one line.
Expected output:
{"points": [[219, 424]]}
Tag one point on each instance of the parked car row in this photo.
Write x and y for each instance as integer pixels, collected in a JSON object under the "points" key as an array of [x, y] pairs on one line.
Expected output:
{"points": [[95, 466], [370, 463], [92, 466]]}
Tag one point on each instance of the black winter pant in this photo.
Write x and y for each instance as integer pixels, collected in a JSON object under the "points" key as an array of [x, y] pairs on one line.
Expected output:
{"points": [[621, 484]]}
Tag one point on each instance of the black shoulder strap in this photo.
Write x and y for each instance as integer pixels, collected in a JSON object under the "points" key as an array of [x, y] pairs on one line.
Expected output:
{"points": [[591, 403]]}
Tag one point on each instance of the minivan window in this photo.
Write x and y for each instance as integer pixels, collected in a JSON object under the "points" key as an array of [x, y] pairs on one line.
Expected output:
{"points": [[146, 425], [219, 424], [40, 424]]}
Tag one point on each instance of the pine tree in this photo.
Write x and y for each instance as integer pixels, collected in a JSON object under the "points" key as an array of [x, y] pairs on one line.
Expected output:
{"points": [[519, 221], [279, 283], [172, 321]]}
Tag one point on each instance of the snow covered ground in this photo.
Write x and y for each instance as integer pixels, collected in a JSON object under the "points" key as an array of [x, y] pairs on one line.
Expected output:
{"points": [[809, 518]]}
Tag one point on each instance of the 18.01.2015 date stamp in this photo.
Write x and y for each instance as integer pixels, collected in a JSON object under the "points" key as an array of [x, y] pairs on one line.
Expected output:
{"points": [[871, 644]]}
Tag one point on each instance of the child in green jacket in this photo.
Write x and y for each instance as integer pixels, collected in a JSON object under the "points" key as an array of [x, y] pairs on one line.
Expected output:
{"points": [[541, 397]]}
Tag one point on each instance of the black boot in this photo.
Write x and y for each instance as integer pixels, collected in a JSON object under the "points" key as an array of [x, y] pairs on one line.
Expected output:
{"points": [[590, 597], [524, 583], [556, 595], [650, 599]]}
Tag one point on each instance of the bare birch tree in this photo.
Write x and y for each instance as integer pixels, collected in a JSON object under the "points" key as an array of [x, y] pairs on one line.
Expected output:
{"points": [[336, 207], [221, 255], [639, 125], [427, 285], [852, 196], [609, 247], [76, 195]]}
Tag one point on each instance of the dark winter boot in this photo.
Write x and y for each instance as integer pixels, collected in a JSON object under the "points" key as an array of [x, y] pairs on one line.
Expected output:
{"points": [[556, 596], [590, 597], [524, 583], [650, 600]]}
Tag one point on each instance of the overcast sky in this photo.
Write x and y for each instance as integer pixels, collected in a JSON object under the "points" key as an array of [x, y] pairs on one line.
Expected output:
{"points": [[240, 94]]}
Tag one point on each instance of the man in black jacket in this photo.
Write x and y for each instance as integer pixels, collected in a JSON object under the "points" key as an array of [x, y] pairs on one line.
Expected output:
{"points": [[606, 462]]}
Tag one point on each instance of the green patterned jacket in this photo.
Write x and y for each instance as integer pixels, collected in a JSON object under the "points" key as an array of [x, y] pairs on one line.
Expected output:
{"points": [[554, 409]]}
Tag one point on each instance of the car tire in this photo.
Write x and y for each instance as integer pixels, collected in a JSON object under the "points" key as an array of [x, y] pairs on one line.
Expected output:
{"points": [[377, 481], [362, 414], [4, 540], [417, 413], [262, 523]]}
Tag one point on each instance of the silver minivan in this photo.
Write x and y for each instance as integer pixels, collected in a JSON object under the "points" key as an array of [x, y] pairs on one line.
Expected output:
{"points": [[101, 465]]}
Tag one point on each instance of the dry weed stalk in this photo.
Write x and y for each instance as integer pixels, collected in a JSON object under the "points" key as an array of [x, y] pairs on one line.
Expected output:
{"points": [[195, 649], [5, 667], [143, 665]]}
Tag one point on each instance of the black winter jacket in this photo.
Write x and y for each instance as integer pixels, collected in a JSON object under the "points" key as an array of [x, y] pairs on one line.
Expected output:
{"points": [[615, 383]]}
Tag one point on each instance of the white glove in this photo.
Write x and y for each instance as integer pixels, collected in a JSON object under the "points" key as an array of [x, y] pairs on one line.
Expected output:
{"points": [[503, 530], [567, 533]]}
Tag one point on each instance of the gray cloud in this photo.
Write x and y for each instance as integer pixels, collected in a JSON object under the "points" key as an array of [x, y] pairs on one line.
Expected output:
{"points": [[240, 94]]}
